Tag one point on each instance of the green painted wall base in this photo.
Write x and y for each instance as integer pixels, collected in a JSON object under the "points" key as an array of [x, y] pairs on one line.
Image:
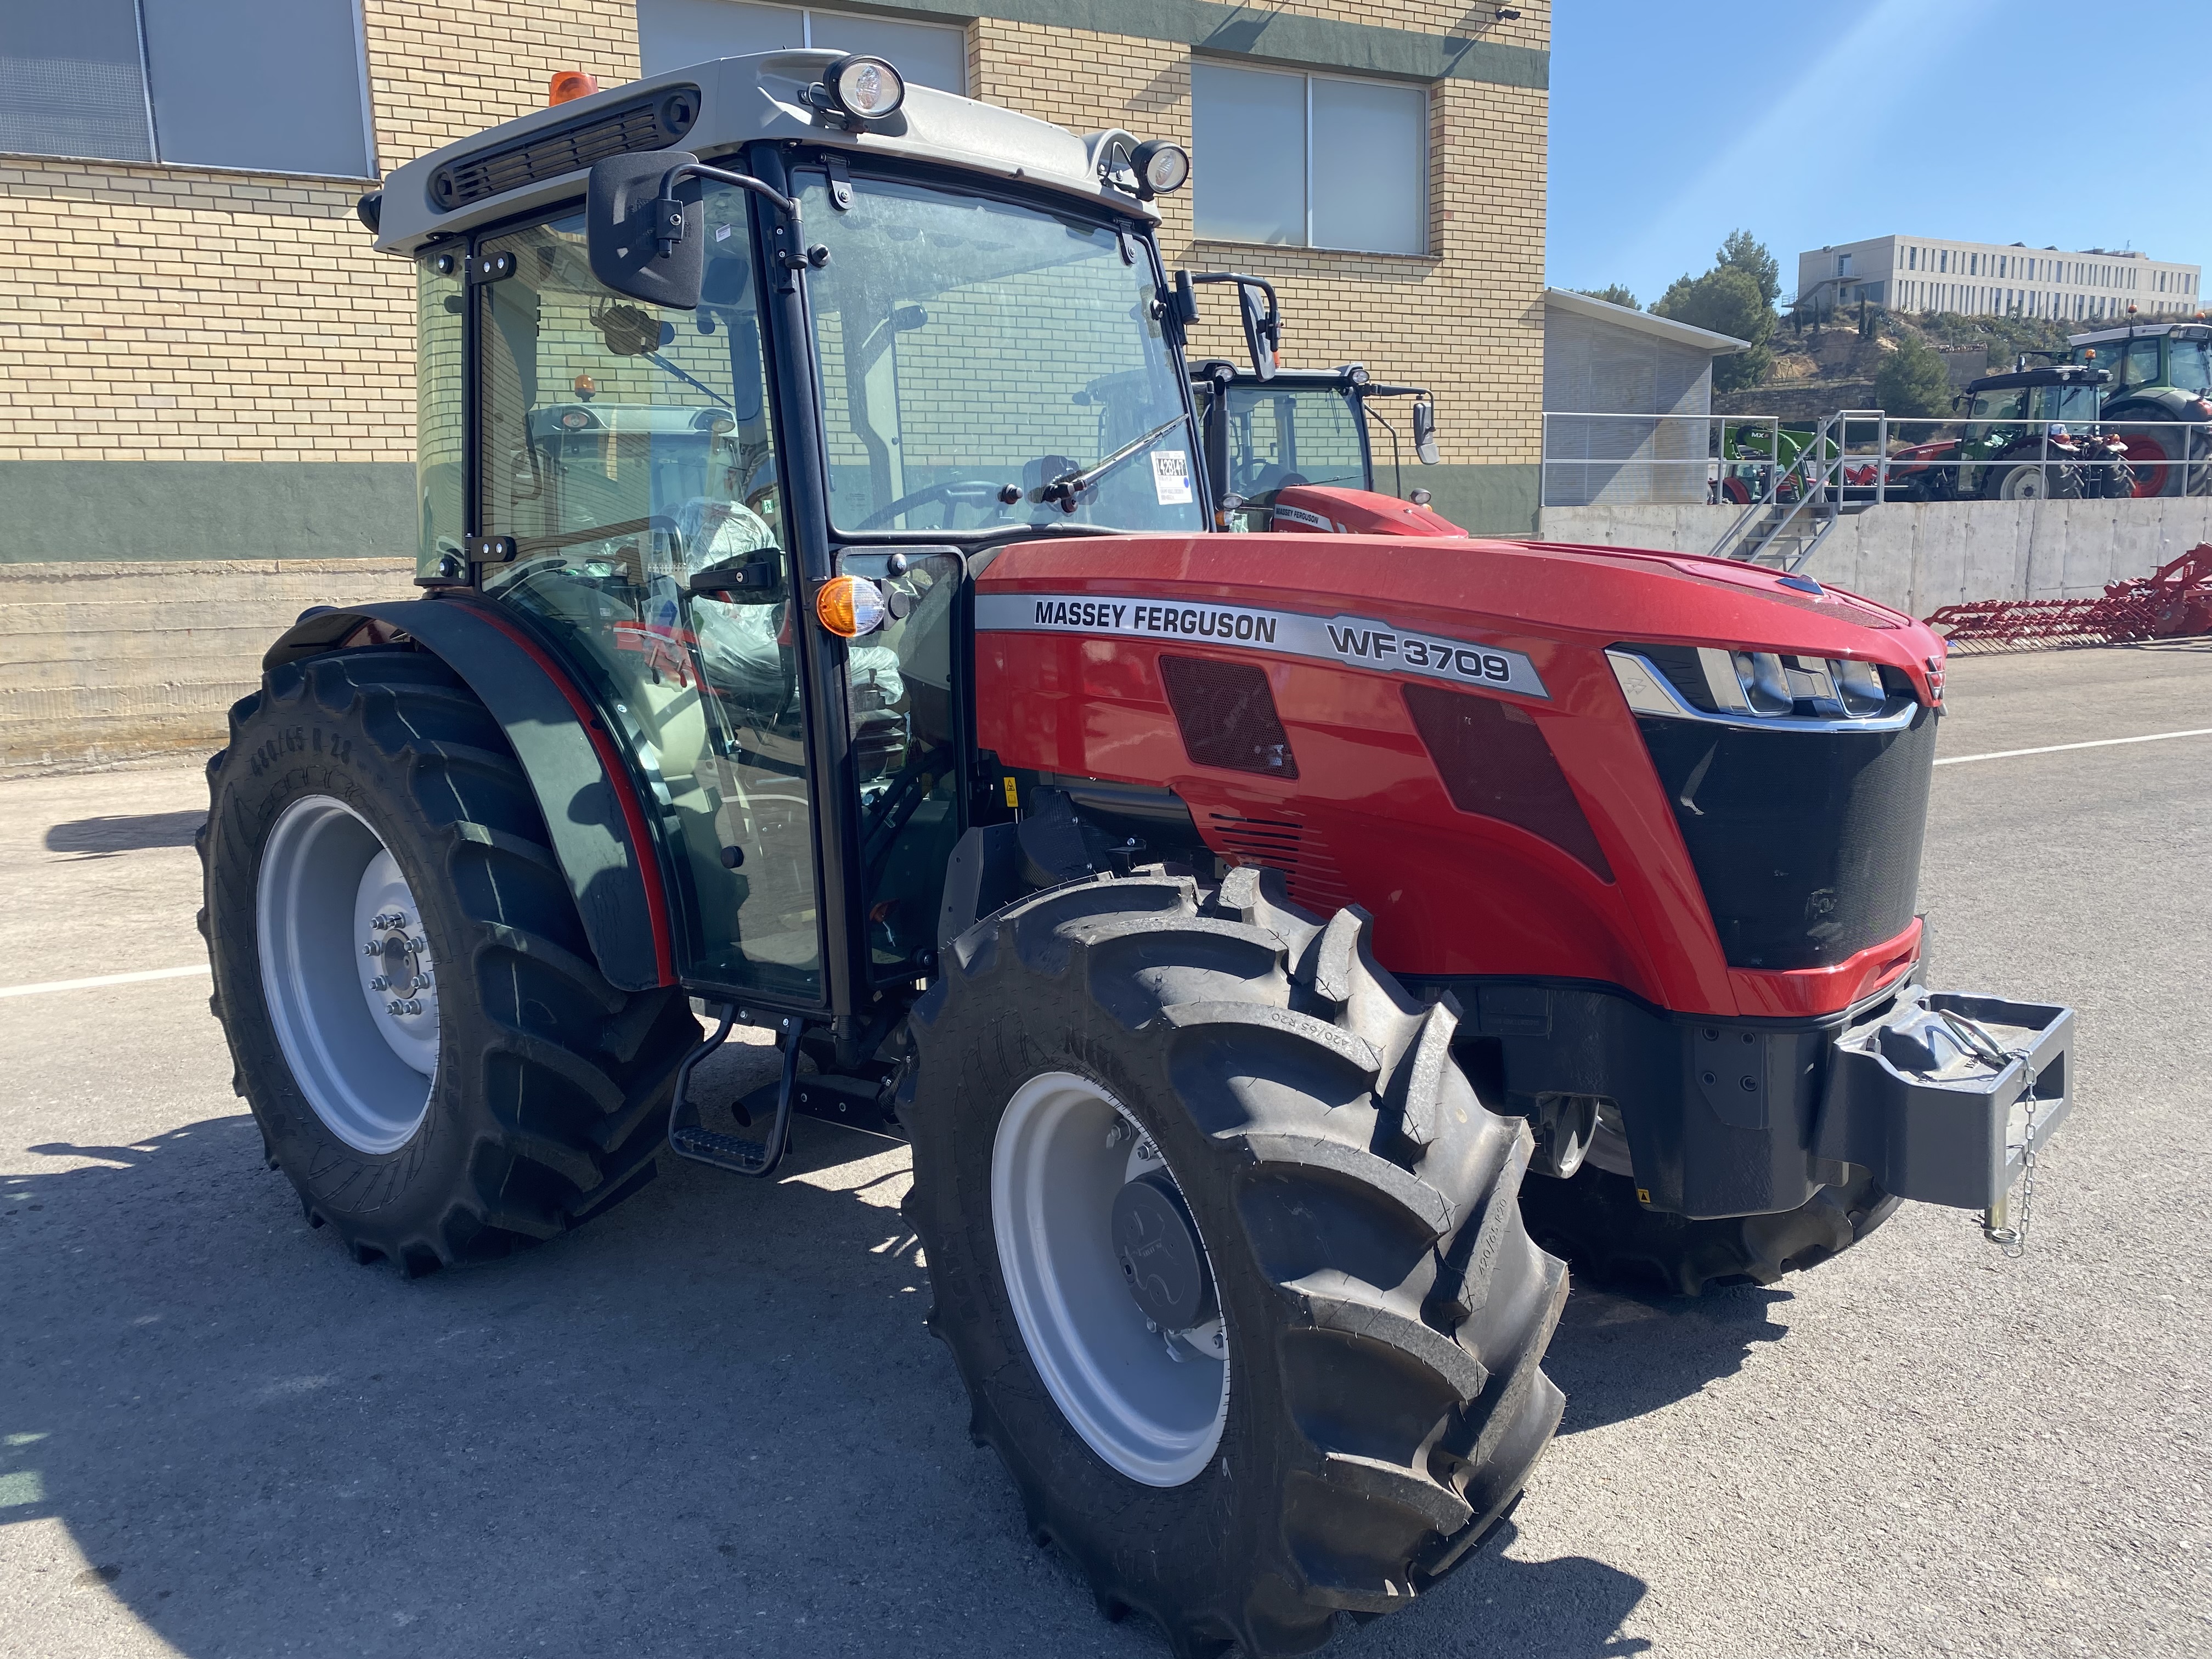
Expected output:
{"points": [[65, 512], [1496, 499]]}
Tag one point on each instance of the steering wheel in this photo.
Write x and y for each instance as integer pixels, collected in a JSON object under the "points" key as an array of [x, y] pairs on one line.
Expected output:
{"points": [[953, 492]]}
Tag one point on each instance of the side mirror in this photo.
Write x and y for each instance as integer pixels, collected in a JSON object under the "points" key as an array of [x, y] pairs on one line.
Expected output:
{"points": [[642, 243], [1425, 431], [1263, 325]]}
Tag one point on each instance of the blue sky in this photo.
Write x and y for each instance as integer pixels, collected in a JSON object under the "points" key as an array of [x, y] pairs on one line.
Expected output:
{"points": [[1674, 122]]}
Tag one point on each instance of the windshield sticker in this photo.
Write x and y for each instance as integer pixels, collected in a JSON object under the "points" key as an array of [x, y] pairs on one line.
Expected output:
{"points": [[1358, 642], [1171, 476]]}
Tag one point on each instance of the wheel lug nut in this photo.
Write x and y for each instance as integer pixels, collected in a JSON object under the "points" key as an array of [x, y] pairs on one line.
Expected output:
{"points": [[379, 983], [372, 949]]}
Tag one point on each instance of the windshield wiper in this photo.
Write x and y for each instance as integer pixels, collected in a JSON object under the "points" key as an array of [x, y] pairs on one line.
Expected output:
{"points": [[1065, 488]]}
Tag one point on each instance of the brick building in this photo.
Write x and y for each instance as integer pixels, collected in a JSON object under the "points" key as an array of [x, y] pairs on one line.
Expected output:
{"points": [[207, 415]]}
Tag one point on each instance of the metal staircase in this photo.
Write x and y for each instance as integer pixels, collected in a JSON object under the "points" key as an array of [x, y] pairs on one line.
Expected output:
{"points": [[1806, 499]]}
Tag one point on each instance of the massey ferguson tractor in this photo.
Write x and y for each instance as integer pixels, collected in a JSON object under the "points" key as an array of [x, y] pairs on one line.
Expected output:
{"points": [[1279, 951]]}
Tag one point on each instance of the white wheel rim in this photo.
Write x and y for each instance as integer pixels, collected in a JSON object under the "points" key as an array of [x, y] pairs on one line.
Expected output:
{"points": [[346, 972], [1150, 1404]]}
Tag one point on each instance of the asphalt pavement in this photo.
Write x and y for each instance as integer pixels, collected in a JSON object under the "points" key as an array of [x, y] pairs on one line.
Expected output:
{"points": [[711, 1422]]}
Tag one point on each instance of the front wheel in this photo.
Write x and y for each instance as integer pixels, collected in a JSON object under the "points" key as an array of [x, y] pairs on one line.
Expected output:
{"points": [[1228, 1254], [2030, 482]]}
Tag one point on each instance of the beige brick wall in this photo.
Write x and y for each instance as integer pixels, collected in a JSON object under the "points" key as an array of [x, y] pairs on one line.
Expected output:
{"points": [[1466, 318], [156, 313], [171, 313]]}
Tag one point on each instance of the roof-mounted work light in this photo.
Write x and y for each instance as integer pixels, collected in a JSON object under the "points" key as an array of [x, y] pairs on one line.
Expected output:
{"points": [[864, 89], [1160, 167]]}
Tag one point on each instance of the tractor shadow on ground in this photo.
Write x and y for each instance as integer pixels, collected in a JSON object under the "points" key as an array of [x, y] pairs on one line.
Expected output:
{"points": [[104, 837], [1619, 1355], [711, 1420]]}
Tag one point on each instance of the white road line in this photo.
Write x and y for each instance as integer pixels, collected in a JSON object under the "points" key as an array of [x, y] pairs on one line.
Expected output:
{"points": [[102, 979], [2057, 748]]}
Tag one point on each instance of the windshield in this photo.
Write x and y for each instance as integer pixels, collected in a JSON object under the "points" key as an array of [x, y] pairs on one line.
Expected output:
{"points": [[2069, 402], [1279, 436], [2190, 364], [972, 350]]}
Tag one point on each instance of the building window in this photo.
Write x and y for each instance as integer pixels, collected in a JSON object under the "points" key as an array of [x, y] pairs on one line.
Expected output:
{"points": [[261, 86], [673, 34], [1310, 160]]}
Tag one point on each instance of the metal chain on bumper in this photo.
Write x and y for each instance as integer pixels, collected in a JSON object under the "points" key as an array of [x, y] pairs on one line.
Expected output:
{"points": [[1999, 1225]]}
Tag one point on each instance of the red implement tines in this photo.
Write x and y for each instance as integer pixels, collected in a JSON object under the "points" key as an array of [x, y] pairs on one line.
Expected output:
{"points": [[2173, 602]]}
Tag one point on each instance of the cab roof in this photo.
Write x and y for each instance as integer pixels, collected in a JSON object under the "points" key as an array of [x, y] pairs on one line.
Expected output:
{"points": [[2059, 374], [2142, 331], [540, 159]]}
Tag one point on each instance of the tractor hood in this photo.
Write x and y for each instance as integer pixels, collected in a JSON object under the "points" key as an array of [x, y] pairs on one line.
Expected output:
{"points": [[1538, 600]]}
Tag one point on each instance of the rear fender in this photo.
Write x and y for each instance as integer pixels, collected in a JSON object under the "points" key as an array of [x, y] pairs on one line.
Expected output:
{"points": [[595, 812]]}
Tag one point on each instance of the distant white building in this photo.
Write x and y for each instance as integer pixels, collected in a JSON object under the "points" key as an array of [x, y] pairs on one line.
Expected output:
{"points": [[1986, 279]]}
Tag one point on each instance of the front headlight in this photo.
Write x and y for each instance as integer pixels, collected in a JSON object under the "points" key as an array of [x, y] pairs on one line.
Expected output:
{"points": [[1767, 689]]}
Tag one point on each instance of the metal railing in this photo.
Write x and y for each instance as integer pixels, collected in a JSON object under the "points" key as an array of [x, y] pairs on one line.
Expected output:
{"points": [[1792, 479]]}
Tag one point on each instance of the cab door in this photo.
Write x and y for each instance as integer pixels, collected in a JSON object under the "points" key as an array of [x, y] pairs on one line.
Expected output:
{"points": [[626, 462]]}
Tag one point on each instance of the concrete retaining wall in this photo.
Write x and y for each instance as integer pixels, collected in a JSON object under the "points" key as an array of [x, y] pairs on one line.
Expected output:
{"points": [[102, 663], [1919, 556]]}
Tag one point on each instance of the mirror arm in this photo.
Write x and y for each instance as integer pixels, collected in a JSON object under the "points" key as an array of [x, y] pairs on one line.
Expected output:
{"points": [[671, 230]]}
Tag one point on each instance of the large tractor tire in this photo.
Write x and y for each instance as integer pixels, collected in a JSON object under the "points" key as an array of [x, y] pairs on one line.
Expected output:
{"points": [[1228, 1254], [412, 1009], [1594, 1219]]}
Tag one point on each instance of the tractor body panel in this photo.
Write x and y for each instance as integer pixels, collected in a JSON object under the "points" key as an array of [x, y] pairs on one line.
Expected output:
{"points": [[1324, 510], [1410, 727], [1586, 878], [605, 829]]}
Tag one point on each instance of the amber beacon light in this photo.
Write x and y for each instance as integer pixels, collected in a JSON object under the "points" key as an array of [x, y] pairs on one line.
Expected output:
{"points": [[569, 84]]}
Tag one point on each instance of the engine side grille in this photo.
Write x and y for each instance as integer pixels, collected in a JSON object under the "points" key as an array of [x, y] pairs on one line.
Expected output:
{"points": [[1290, 847], [1806, 843], [651, 123], [1228, 716], [1494, 762]]}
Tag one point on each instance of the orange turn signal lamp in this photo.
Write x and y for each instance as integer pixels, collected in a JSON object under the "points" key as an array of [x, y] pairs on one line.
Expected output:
{"points": [[569, 84], [849, 606]]}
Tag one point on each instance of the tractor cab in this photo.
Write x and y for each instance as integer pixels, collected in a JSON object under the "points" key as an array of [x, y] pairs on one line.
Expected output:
{"points": [[2159, 402], [1309, 430], [1996, 405], [789, 359]]}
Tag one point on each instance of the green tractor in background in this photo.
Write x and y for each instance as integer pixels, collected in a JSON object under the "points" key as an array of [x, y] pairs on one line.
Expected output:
{"points": [[2159, 402], [2029, 434]]}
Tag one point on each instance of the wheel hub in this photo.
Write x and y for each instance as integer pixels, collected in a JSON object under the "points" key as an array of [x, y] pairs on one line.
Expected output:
{"points": [[346, 974], [1160, 1256], [1109, 1279]]}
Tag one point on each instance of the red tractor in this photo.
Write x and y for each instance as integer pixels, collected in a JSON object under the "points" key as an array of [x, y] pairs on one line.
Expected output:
{"points": [[1279, 951], [1294, 450]]}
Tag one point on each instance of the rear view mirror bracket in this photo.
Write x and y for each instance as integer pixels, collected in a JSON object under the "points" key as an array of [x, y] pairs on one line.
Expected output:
{"points": [[647, 243], [1257, 307]]}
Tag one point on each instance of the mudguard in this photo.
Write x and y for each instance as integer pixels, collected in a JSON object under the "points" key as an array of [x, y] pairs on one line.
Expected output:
{"points": [[594, 813]]}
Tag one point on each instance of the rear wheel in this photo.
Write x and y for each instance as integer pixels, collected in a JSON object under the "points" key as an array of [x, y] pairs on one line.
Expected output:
{"points": [[2153, 452], [413, 1011], [1594, 1220], [1228, 1255]]}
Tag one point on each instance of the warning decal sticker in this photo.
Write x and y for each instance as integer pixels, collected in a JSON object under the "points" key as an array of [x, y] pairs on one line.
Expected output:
{"points": [[1357, 641]]}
